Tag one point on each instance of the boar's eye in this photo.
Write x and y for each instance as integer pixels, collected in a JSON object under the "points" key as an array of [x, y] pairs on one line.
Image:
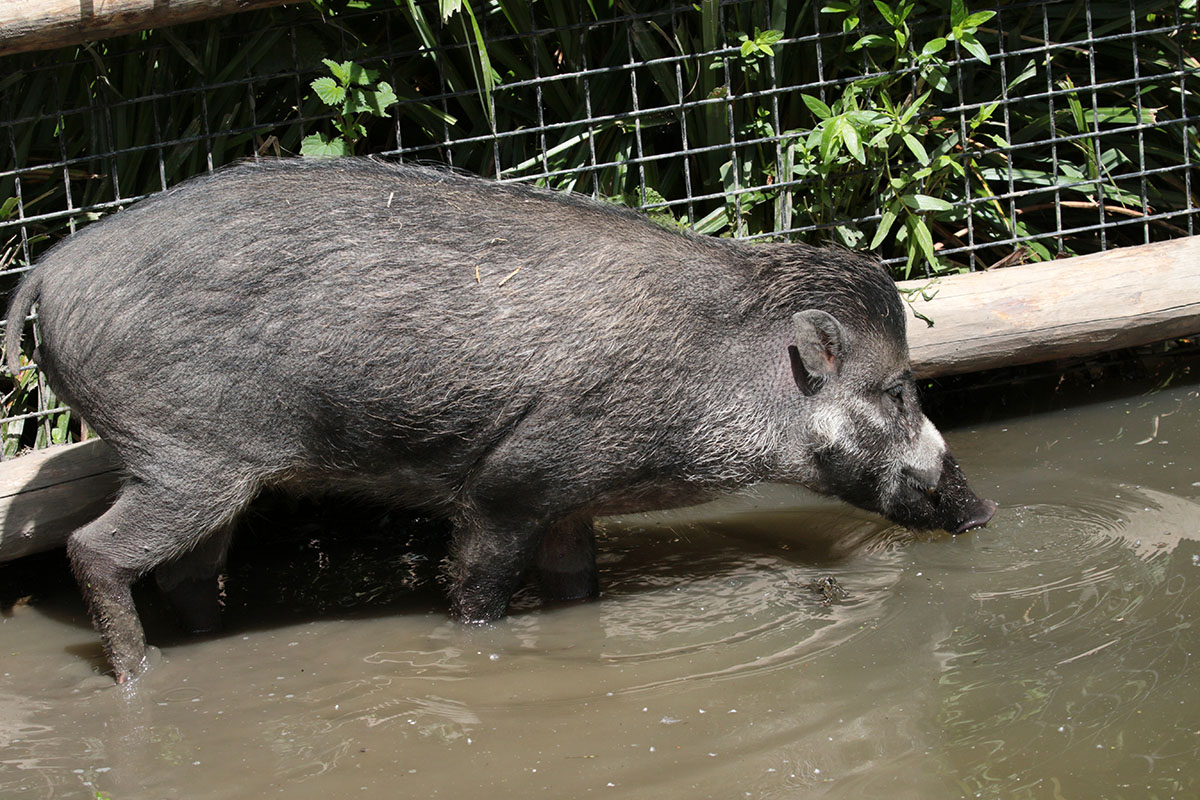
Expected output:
{"points": [[896, 392]]}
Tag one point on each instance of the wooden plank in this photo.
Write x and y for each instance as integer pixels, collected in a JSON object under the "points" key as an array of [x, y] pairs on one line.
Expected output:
{"points": [[1079, 306], [47, 494], [27, 25], [1019, 315]]}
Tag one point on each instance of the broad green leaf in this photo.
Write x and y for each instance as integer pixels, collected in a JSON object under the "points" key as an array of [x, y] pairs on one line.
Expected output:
{"points": [[849, 236], [319, 146], [916, 148], [340, 71], [977, 19], [958, 13], [867, 119], [330, 92], [933, 46], [360, 75], [816, 106], [870, 40], [923, 202], [385, 96], [886, 12], [939, 78], [830, 136], [972, 46], [850, 138]]}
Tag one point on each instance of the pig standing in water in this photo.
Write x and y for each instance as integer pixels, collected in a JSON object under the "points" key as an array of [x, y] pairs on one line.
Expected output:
{"points": [[516, 360]]}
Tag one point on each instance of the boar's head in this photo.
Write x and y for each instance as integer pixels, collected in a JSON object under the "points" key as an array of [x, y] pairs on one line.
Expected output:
{"points": [[861, 430]]}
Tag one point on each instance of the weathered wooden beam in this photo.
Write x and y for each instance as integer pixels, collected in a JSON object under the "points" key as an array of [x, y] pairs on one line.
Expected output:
{"points": [[48, 493], [1079, 306], [1018, 315], [27, 25]]}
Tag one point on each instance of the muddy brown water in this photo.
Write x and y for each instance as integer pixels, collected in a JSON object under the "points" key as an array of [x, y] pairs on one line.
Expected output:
{"points": [[1050, 655]]}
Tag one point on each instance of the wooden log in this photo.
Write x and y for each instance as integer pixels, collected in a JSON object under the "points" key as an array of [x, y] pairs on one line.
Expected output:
{"points": [[1079, 306], [47, 494], [1018, 315], [27, 25]]}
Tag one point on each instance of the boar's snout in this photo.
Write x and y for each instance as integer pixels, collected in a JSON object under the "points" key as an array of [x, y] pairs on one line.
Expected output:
{"points": [[953, 506], [980, 515]]}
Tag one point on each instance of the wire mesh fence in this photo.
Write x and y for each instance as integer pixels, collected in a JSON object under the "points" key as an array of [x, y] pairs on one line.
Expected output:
{"points": [[943, 137]]}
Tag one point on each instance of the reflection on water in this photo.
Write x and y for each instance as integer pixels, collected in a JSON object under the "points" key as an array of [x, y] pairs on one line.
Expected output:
{"points": [[1048, 655]]}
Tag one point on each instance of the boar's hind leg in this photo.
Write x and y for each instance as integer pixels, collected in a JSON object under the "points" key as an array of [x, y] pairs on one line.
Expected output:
{"points": [[566, 559], [145, 527]]}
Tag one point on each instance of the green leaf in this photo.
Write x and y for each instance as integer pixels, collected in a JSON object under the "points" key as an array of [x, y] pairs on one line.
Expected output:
{"points": [[870, 40], [770, 36], [850, 138], [1027, 73], [972, 46], [885, 226], [939, 78], [360, 75], [830, 135], [329, 91], [919, 232], [340, 71], [958, 13], [320, 146], [977, 19], [449, 8], [385, 96], [911, 110], [816, 106], [867, 119], [917, 149], [886, 12], [933, 46], [923, 202]]}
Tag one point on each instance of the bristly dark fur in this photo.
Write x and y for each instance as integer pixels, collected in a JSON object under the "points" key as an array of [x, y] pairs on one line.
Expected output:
{"points": [[514, 359]]}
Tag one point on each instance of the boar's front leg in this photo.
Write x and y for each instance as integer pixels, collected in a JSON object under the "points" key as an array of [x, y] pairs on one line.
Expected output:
{"points": [[191, 583], [490, 556], [566, 559]]}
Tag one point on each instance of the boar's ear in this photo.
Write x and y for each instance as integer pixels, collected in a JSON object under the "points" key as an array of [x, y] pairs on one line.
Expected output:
{"points": [[817, 354]]}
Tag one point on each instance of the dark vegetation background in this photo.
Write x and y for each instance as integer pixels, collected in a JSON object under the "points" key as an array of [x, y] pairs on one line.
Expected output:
{"points": [[943, 135]]}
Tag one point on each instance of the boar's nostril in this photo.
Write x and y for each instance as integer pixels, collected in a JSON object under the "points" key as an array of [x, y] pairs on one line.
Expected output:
{"points": [[980, 515]]}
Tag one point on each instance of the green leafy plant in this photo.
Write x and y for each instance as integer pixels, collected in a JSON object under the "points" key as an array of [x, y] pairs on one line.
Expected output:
{"points": [[355, 94], [884, 131]]}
